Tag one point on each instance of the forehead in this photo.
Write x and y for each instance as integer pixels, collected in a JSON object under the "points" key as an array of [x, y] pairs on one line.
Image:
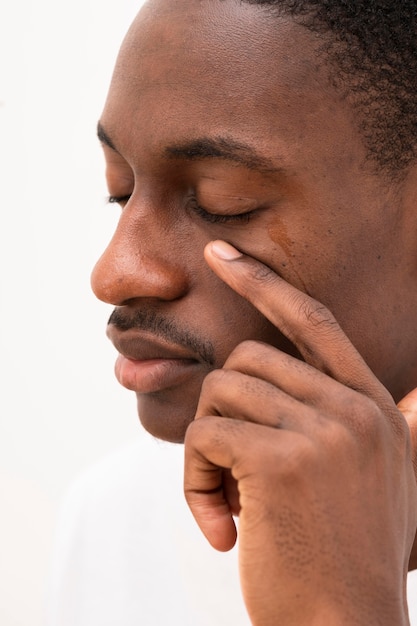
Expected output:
{"points": [[225, 67]]}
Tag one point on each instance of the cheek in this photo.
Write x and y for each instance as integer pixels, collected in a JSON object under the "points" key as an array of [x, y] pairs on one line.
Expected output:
{"points": [[287, 248], [227, 319], [320, 256], [355, 269], [346, 272], [291, 254]]}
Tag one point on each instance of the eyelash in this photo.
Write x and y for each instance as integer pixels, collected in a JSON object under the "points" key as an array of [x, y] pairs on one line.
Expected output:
{"points": [[215, 218], [212, 218], [118, 199]]}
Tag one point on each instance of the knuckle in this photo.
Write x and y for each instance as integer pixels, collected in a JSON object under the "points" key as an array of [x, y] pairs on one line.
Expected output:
{"points": [[365, 419], [397, 419], [373, 425], [316, 314], [212, 383], [400, 428], [367, 428], [260, 276], [222, 391], [262, 273], [337, 440], [194, 435], [213, 380], [205, 434], [298, 462], [243, 354]]}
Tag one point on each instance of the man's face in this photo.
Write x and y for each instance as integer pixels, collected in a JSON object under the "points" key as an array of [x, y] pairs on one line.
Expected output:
{"points": [[221, 123]]}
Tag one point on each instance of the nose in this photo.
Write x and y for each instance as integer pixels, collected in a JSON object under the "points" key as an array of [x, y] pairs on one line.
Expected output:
{"points": [[139, 263]]}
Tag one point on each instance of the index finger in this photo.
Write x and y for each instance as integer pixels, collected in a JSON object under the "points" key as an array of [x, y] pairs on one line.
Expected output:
{"points": [[307, 323]]}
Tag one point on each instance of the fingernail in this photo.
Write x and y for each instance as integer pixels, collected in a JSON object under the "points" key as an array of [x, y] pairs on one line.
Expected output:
{"points": [[224, 251]]}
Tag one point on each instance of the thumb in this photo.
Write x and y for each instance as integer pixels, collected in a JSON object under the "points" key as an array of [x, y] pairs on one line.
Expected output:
{"points": [[408, 407]]}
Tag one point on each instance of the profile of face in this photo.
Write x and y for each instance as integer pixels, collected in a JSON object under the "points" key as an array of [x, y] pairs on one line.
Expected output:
{"points": [[221, 122]]}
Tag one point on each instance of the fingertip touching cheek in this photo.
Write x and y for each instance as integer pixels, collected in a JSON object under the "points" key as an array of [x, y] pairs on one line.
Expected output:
{"points": [[222, 126]]}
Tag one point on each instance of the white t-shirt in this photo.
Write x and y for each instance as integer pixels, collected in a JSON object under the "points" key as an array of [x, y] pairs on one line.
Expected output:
{"points": [[129, 553]]}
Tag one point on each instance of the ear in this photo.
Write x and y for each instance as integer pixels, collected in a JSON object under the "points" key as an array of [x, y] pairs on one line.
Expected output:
{"points": [[408, 407]]}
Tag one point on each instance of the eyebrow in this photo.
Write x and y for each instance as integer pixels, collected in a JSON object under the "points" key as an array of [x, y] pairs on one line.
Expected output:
{"points": [[222, 148]]}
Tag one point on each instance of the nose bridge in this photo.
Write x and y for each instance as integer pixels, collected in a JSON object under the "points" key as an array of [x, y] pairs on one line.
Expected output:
{"points": [[141, 261]]}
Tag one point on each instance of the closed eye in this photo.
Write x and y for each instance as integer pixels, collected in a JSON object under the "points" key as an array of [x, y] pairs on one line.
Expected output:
{"points": [[217, 218], [118, 199], [212, 218]]}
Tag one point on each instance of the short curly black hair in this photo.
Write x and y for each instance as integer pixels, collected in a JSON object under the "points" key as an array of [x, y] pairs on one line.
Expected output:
{"points": [[372, 48]]}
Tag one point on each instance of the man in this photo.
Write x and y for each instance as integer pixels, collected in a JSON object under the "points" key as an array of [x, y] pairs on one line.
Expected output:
{"points": [[264, 158]]}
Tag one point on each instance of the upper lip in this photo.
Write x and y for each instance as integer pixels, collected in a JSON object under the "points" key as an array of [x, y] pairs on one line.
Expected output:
{"points": [[143, 346]]}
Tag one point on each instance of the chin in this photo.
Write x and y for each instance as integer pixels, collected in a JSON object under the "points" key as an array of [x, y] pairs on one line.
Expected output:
{"points": [[165, 419]]}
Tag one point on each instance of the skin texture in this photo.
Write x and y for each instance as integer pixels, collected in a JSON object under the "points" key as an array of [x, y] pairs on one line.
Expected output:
{"points": [[332, 533], [298, 409]]}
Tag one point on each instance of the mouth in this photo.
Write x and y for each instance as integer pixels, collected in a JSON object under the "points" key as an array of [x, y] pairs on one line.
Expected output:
{"points": [[149, 364], [152, 375]]}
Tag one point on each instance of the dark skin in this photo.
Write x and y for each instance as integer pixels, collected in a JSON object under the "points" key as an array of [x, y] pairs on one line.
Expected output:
{"points": [[221, 124], [322, 511]]}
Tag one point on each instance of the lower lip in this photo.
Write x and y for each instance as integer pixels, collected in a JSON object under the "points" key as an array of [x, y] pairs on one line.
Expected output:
{"points": [[152, 375]]}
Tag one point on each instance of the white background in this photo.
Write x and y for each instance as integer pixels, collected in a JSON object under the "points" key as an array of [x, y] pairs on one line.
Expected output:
{"points": [[60, 406]]}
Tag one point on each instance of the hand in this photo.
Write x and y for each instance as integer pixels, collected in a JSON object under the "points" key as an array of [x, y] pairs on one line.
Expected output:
{"points": [[408, 407], [313, 456]]}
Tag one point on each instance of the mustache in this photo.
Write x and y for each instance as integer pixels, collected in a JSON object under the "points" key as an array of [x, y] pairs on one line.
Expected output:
{"points": [[164, 328]]}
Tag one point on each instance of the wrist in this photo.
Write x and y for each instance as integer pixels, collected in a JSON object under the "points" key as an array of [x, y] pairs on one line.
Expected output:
{"points": [[341, 611]]}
